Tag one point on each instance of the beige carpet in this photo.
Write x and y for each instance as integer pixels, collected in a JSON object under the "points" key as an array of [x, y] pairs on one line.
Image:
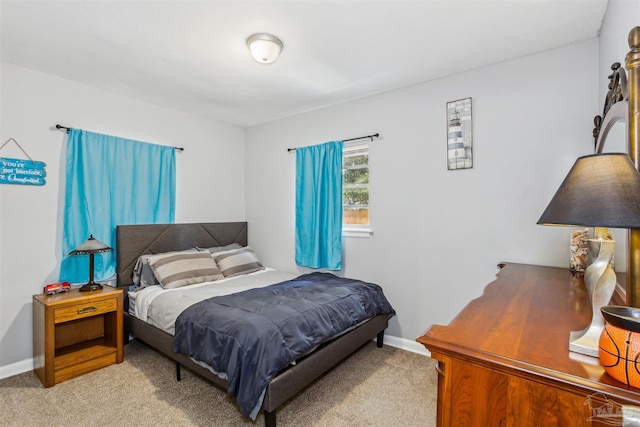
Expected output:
{"points": [[374, 387]]}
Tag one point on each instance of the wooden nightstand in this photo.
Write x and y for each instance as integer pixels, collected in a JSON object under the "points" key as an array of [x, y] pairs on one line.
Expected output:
{"points": [[76, 332]]}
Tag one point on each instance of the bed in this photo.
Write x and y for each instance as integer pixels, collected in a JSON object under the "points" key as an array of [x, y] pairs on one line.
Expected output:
{"points": [[133, 241]]}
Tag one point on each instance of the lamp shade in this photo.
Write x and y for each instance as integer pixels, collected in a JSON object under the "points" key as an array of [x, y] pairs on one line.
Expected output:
{"points": [[601, 190], [264, 48], [90, 246]]}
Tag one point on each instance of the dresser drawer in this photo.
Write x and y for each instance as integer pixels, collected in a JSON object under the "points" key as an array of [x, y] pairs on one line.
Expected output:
{"points": [[80, 311]]}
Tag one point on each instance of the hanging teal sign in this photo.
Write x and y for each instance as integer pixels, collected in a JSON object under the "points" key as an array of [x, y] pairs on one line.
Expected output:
{"points": [[23, 172]]}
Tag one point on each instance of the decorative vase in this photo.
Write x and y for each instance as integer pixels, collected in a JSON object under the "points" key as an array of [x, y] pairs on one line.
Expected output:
{"points": [[578, 250]]}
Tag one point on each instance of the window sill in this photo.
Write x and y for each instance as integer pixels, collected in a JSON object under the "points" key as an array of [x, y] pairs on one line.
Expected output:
{"points": [[357, 232]]}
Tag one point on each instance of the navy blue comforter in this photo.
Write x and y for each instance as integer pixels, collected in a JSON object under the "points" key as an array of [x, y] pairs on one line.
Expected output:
{"points": [[251, 336]]}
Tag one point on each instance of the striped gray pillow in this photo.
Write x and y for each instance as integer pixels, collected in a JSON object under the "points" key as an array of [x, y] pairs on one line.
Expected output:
{"points": [[237, 262], [143, 275], [177, 269], [215, 249]]}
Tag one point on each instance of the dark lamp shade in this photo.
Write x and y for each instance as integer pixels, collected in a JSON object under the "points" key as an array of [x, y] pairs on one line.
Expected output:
{"points": [[601, 190]]}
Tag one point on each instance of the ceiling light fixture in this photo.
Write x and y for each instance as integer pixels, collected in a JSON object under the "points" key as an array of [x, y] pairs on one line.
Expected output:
{"points": [[264, 48]]}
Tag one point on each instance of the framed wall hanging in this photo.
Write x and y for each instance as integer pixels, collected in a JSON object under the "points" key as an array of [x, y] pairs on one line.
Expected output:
{"points": [[21, 171], [459, 135]]}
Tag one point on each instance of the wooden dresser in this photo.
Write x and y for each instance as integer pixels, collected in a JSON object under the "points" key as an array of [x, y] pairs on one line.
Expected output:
{"points": [[504, 360]]}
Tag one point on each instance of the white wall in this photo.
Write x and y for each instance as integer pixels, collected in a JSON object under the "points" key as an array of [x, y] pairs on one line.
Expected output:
{"points": [[439, 234], [210, 181]]}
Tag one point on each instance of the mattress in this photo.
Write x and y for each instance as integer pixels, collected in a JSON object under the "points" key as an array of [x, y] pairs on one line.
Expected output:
{"points": [[160, 307]]}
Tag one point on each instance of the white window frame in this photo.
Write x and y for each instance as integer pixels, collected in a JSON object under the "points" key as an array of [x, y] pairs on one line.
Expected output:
{"points": [[358, 230]]}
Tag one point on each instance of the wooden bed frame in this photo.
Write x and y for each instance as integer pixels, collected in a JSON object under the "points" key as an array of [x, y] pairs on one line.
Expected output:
{"points": [[133, 241]]}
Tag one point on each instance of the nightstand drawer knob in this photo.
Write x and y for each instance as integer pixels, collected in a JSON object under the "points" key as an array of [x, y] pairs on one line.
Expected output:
{"points": [[87, 309]]}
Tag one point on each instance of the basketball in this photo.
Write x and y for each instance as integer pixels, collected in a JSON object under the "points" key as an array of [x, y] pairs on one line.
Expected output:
{"points": [[619, 351]]}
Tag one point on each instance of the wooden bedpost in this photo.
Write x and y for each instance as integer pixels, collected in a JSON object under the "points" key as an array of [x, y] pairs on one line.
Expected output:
{"points": [[633, 128]]}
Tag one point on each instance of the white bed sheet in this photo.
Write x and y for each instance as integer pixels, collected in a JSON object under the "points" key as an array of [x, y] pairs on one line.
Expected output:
{"points": [[161, 307]]}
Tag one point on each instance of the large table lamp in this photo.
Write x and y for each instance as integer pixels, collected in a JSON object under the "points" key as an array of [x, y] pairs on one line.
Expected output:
{"points": [[601, 191], [91, 247]]}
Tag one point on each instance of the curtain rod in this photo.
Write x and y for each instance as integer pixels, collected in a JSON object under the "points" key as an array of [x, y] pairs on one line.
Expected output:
{"points": [[375, 135], [67, 129]]}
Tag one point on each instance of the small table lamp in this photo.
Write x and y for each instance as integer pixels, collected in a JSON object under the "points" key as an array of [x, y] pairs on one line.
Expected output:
{"points": [[601, 190], [91, 247]]}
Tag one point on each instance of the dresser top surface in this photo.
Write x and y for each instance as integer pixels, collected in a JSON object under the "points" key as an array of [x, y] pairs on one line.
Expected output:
{"points": [[522, 322]]}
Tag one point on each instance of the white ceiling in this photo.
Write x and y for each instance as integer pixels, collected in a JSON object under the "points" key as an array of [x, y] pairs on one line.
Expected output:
{"points": [[191, 55]]}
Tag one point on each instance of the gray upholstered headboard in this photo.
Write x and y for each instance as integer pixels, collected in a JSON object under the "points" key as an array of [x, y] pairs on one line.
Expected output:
{"points": [[135, 240]]}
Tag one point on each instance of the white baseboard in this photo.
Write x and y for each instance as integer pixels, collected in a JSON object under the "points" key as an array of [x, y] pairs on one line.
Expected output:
{"points": [[401, 343], [16, 368], [405, 344]]}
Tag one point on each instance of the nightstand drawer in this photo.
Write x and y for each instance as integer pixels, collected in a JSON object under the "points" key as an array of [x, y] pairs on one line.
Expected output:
{"points": [[85, 310]]}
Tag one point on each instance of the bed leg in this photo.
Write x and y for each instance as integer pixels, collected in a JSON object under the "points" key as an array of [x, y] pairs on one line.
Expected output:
{"points": [[178, 375], [269, 419], [380, 339]]}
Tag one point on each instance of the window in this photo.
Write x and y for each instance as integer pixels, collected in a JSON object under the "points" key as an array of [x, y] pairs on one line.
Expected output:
{"points": [[355, 188]]}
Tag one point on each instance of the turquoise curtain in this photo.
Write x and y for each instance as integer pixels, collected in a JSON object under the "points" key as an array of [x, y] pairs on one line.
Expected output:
{"points": [[111, 181], [319, 206]]}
